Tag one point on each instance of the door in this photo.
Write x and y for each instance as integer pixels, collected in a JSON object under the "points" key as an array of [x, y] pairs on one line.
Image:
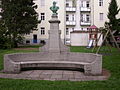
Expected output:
{"points": [[34, 38]]}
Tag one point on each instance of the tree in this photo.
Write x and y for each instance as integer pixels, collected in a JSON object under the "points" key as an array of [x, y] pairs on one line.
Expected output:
{"points": [[4, 39], [113, 11], [20, 18]]}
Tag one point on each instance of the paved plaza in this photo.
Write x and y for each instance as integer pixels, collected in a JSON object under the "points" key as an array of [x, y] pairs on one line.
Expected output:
{"points": [[54, 75]]}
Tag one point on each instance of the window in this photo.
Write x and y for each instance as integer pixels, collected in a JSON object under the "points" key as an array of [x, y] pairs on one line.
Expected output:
{"points": [[87, 29], [42, 16], [87, 4], [42, 3], [87, 18], [42, 31], [100, 2], [82, 29], [81, 17], [72, 29], [27, 41], [67, 17], [67, 31], [101, 17], [35, 38], [67, 4], [73, 17]]}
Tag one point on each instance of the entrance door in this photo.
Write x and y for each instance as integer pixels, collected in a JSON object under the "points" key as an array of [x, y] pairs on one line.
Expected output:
{"points": [[34, 38]]}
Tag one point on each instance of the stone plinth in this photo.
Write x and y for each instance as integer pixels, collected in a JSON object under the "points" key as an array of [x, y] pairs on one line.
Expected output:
{"points": [[54, 44]]}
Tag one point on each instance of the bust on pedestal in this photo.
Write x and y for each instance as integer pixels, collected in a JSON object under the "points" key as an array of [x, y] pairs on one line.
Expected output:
{"points": [[54, 44]]}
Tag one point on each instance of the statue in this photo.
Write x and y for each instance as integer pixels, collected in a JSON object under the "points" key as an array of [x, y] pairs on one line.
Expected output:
{"points": [[54, 8]]}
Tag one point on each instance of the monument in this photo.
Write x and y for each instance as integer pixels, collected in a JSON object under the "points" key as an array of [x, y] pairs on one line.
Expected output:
{"points": [[54, 8], [54, 55], [54, 44]]}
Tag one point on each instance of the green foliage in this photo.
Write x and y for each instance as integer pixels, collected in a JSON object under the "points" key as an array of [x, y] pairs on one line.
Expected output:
{"points": [[113, 11], [20, 18], [4, 39]]}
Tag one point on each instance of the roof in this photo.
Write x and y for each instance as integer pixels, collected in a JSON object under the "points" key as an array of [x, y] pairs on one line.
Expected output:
{"points": [[93, 27]]}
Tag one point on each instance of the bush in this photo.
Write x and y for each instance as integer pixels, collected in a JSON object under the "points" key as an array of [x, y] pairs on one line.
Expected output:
{"points": [[5, 43]]}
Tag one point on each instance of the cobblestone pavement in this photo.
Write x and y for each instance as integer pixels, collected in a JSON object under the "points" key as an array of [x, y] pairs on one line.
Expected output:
{"points": [[53, 75]]}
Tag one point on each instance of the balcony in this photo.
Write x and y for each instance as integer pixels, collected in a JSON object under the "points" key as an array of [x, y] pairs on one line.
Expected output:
{"points": [[70, 23], [70, 9], [86, 9], [85, 23]]}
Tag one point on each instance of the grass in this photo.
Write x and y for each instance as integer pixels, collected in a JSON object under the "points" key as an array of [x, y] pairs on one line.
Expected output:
{"points": [[29, 46], [111, 62]]}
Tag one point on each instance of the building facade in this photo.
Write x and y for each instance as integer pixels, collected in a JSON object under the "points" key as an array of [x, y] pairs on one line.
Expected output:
{"points": [[75, 15]]}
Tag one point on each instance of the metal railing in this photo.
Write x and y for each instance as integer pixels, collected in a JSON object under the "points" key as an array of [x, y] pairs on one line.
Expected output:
{"points": [[70, 23], [71, 9], [85, 9]]}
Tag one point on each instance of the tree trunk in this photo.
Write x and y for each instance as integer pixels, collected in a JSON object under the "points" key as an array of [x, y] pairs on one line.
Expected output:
{"points": [[15, 45]]}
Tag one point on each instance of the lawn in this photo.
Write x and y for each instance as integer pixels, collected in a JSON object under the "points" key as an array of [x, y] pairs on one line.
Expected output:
{"points": [[110, 62]]}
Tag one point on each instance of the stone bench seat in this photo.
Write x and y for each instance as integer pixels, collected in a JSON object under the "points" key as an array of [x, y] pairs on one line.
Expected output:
{"points": [[14, 63], [54, 64]]}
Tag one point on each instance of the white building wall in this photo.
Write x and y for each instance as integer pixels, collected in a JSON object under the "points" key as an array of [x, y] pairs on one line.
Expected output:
{"points": [[44, 23], [79, 39], [118, 2], [94, 12], [82, 39]]}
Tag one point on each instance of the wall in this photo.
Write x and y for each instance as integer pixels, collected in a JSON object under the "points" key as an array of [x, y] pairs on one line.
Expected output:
{"points": [[82, 39], [96, 9], [79, 39]]}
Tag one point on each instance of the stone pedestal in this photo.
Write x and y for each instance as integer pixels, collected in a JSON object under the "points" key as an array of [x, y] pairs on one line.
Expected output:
{"points": [[54, 35], [54, 44]]}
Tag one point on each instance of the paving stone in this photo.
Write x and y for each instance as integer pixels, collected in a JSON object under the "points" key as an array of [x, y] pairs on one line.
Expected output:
{"points": [[36, 78], [78, 76], [35, 73], [61, 79], [68, 76], [72, 79], [56, 76], [46, 79], [78, 73], [27, 72], [52, 79], [43, 76], [21, 76], [7, 75], [47, 72], [67, 72], [57, 72]]}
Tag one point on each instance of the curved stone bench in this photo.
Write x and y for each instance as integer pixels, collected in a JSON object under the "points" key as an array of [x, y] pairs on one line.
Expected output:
{"points": [[91, 63]]}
